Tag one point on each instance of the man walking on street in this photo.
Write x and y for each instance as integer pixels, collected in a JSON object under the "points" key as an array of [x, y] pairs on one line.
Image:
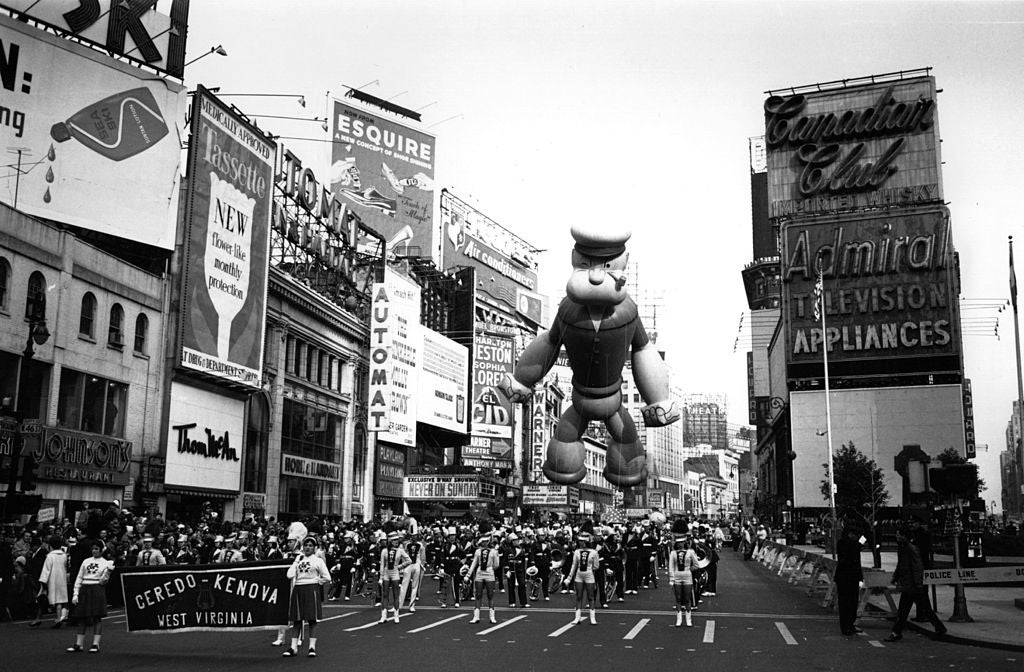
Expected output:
{"points": [[909, 576], [848, 578]]}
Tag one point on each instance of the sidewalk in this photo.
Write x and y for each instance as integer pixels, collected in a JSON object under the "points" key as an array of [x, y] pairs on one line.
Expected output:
{"points": [[995, 620]]}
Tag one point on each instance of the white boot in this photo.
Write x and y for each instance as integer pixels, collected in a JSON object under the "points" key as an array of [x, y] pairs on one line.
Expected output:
{"points": [[383, 615], [679, 618], [493, 619], [476, 616], [689, 620], [412, 607], [579, 617], [593, 617], [396, 615]]}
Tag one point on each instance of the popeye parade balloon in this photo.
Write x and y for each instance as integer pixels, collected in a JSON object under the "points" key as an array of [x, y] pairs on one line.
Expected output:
{"points": [[599, 326]]}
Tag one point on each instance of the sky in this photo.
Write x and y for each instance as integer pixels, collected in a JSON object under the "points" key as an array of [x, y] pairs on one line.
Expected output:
{"points": [[640, 113]]}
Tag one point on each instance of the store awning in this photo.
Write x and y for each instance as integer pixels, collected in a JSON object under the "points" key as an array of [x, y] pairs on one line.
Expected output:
{"points": [[200, 492]]}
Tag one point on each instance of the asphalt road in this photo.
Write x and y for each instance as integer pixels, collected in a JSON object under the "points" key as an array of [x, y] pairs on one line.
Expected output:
{"points": [[755, 622]]}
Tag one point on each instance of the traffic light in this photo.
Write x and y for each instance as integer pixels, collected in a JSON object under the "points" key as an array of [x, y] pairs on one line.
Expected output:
{"points": [[28, 473]]}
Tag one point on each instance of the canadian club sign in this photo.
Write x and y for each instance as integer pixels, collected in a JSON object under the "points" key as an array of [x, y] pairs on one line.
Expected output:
{"points": [[848, 148]]}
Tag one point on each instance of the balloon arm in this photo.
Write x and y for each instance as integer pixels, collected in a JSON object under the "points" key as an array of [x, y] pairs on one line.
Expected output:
{"points": [[651, 378], [537, 359]]}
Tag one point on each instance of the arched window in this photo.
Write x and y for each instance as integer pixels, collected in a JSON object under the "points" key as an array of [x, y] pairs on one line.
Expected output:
{"points": [[35, 301], [115, 333], [5, 283], [87, 319], [141, 333]]}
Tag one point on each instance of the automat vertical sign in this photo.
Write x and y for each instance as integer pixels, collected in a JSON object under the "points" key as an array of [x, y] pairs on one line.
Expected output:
{"points": [[395, 347]]}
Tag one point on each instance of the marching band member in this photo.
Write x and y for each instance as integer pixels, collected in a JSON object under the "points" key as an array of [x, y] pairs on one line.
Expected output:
{"points": [[393, 561], [484, 563], [585, 562], [90, 596], [149, 555], [308, 572], [681, 562], [413, 574]]}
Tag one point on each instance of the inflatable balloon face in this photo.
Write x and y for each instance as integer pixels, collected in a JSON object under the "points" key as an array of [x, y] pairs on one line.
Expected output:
{"points": [[599, 326]]}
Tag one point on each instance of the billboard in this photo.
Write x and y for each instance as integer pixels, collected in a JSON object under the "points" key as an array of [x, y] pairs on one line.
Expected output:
{"points": [[441, 382], [493, 358], [850, 148], [504, 262], [134, 29], [879, 422], [395, 345], [226, 242], [92, 142], [889, 294], [384, 171], [204, 440]]}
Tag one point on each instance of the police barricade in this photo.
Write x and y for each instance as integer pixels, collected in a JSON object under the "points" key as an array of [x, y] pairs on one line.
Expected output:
{"points": [[190, 598], [799, 567]]}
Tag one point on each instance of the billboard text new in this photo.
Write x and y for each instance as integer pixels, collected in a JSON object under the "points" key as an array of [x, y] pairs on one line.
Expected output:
{"points": [[227, 238]]}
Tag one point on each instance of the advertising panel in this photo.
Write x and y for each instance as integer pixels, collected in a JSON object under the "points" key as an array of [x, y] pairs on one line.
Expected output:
{"points": [[442, 382], [545, 495], [293, 465], [492, 360], [889, 294], [853, 148], [197, 598], [445, 488], [879, 422], [204, 443], [389, 472], [227, 236], [135, 29], [384, 171], [80, 457], [469, 238], [540, 432], [92, 142], [395, 344]]}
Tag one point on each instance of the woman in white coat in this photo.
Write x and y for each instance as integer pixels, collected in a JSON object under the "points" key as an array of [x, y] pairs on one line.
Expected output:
{"points": [[55, 578]]}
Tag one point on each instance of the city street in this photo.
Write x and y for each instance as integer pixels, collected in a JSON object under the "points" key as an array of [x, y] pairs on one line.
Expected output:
{"points": [[755, 622]]}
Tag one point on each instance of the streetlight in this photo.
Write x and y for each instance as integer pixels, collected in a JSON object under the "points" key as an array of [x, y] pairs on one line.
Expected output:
{"points": [[219, 49], [37, 331]]}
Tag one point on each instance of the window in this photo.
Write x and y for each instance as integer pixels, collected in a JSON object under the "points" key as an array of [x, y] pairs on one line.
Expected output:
{"points": [[35, 301], [309, 432], [358, 462], [87, 318], [91, 404], [115, 333], [141, 332], [254, 473], [5, 283]]}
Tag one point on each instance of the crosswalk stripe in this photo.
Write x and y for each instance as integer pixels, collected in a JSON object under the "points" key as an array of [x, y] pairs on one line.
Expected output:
{"points": [[441, 622], [565, 628], [786, 635], [332, 618], [709, 632], [501, 625], [637, 628]]}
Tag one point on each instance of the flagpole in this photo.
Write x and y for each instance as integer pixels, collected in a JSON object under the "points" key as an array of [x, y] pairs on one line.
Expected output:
{"points": [[1019, 457], [828, 412]]}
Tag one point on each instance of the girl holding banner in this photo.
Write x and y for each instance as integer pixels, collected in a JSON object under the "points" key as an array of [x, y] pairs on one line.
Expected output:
{"points": [[308, 573], [90, 597]]}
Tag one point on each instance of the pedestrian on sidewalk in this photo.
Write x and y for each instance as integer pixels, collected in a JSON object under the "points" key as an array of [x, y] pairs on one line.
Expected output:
{"points": [[849, 578], [909, 576]]}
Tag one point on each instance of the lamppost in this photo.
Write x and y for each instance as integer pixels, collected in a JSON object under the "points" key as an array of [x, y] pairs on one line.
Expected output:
{"points": [[37, 331]]}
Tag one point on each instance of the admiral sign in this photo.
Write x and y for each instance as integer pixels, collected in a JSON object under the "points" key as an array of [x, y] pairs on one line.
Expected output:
{"points": [[853, 148], [889, 293]]}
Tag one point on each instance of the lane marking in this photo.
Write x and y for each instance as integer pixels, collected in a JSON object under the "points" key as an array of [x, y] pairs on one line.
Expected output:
{"points": [[390, 620], [709, 632], [786, 635], [501, 625], [441, 622], [332, 618], [637, 628], [565, 628]]}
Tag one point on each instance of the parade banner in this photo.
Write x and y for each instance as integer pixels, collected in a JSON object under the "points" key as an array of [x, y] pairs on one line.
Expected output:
{"points": [[206, 598]]}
